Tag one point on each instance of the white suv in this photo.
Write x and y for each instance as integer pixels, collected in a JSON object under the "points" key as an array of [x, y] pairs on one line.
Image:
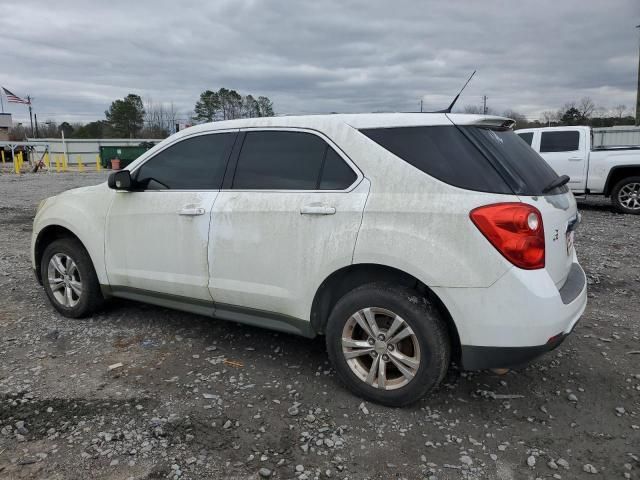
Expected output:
{"points": [[408, 240]]}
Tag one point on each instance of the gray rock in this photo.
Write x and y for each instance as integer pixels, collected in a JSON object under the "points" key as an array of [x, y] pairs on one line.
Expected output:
{"points": [[466, 459], [589, 468], [264, 472], [531, 461], [293, 411]]}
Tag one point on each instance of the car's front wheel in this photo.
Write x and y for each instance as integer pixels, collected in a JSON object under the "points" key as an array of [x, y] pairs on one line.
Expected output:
{"points": [[69, 278], [388, 344]]}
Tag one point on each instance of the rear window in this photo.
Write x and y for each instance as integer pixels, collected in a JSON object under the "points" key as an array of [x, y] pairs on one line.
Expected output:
{"points": [[521, 166], [560, 141], [526, 136], [443, 152], [469, 157]]}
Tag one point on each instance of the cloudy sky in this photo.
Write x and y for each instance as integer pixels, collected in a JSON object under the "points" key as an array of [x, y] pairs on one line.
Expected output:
{"points": [[75, 57]]}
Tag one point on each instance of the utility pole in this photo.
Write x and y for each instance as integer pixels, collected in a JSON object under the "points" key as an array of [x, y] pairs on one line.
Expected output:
{"points": [[30, 113], [35, 116], [638, 92], [484, 104], [420, 105]]}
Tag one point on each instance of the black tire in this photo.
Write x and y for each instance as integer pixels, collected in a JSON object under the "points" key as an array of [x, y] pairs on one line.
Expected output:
{"points": [[90, 298], [615, 196], [423, 319]]}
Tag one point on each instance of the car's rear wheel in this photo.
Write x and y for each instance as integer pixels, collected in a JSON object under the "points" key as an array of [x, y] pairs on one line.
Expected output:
{"points": [[69, 278], [388, 344], [625, 195]]}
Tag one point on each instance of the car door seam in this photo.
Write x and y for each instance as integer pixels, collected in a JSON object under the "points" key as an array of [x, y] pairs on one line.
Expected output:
{"points": [[364, 207]]}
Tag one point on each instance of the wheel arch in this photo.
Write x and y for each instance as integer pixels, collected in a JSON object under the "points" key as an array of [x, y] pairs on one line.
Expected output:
{"points": [[47, 235], [336, 285], [618, 173]]}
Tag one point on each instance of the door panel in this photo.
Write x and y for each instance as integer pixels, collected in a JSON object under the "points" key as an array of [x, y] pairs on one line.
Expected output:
{"points": [[157, 241], [157, 236], [270, 250], [566, 155]]}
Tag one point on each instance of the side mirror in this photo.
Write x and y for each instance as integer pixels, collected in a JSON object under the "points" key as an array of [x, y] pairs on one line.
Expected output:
{"points": [[120, 180]]}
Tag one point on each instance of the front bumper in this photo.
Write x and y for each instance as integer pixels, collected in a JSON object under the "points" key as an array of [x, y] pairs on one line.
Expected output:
{"points": [[520, 317]]}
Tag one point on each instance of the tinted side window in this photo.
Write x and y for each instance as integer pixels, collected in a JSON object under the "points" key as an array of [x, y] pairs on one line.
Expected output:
{"points": [[443, 152], [279, 160], [336, 174], [560, 141], [196, 163], [526, 136]]}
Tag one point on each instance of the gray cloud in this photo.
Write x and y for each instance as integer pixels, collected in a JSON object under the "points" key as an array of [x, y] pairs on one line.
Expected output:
{"points": [[75, 57]]}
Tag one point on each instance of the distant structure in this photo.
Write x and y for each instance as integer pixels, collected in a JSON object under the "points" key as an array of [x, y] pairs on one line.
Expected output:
{"points": [[5, 125]]}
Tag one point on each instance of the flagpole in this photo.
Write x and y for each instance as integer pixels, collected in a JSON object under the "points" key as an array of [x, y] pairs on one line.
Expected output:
{"points": [[1, 100]]}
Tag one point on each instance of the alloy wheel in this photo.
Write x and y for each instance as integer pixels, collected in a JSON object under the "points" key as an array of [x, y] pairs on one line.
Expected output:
{"points": [[380, 348], [64, 280], [629, 196]]}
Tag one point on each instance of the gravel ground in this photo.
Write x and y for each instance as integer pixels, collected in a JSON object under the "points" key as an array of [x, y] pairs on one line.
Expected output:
{"points": [[144, 392]]}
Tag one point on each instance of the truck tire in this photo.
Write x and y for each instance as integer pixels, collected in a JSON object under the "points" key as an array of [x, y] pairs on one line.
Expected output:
{"points": [[625, 195], [388, 344], [69, 278]]}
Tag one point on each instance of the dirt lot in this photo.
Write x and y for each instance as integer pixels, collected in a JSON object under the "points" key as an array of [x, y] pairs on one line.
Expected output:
{"points": [[197, 398]]}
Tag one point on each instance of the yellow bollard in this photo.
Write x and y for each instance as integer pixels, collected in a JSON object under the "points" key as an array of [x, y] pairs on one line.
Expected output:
{"points": [[3, 160], [80, 164], [65, 162], [57, 163], [47, 162], [16, 163], [98, 163]]}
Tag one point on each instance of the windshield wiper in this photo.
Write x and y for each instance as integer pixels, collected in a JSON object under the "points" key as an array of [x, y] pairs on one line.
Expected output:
{"points": [[558, 182]]}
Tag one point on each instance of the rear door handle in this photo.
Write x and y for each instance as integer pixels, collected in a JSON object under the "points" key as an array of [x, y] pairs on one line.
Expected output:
{"points": [[191, 211], [317, 210]]}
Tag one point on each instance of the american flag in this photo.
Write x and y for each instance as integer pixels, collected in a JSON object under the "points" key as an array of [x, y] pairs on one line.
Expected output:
{"points": [[12, 98]]}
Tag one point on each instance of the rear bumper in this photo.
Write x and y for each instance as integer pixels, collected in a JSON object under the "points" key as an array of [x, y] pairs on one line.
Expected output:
{"points": [[520, 317], [480, 358]]}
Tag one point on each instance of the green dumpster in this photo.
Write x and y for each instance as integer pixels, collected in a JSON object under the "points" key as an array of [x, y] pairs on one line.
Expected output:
{"points": [[126, 154]]}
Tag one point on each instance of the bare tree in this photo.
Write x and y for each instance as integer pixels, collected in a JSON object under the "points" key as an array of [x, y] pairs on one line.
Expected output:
{"points": [[586, 107], [475, 109], [549, 117], [619, 110], [159, 120]]}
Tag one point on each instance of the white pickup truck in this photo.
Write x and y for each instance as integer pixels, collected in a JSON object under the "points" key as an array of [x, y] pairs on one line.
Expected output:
{"points": [[610, 171]]}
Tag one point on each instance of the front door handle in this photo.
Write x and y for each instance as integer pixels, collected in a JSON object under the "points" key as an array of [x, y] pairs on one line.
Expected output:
{"points": [[191, 211], [575, 159], [317, 210]]}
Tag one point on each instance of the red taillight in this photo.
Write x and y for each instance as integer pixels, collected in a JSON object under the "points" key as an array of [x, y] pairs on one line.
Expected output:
{"points": [[515, 229]]}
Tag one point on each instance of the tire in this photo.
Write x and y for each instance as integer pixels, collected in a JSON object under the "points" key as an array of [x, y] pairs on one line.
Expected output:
{"points": [[428, 343], [82, 282], [622, 195]]}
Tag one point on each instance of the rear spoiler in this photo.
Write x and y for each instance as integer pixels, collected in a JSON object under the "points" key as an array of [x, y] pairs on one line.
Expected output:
{"points": [[502, 123]]}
